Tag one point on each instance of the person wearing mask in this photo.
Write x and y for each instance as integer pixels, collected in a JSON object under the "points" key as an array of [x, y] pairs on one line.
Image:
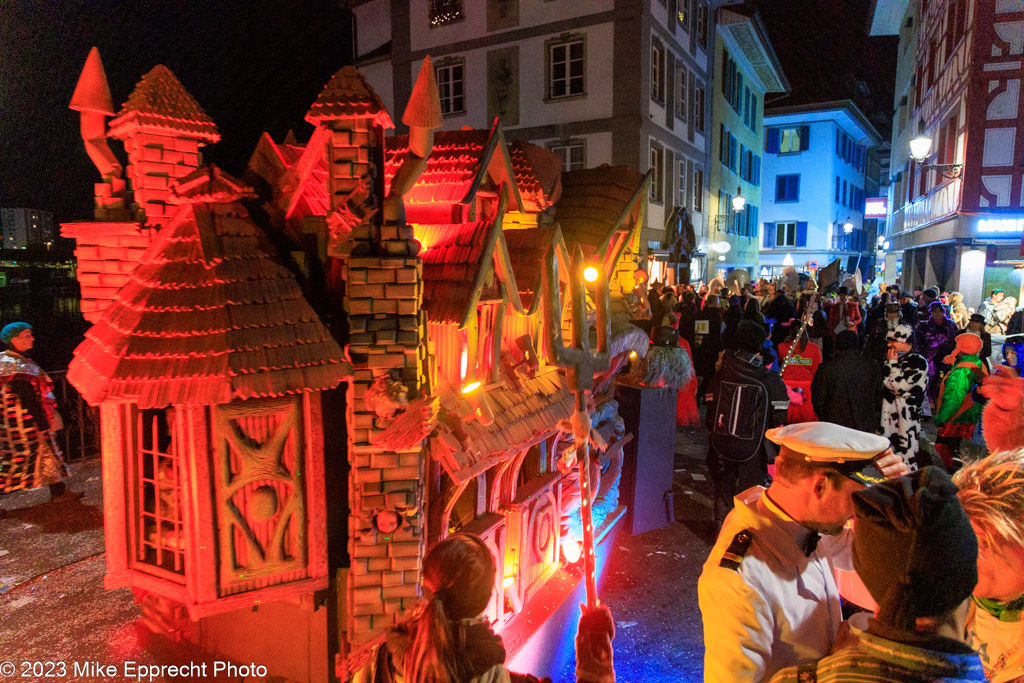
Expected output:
{"points": [[904, 382], [767, 592], [847, 390], [444, 639], [992, 495], [989, 309], [958, 413], [876, 344], [744, 399], [936, 339], [29, 456], [917, 554], [976, 326]]}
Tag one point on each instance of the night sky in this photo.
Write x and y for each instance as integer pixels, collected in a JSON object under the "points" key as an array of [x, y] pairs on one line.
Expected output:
{"points": [[257, 65]]}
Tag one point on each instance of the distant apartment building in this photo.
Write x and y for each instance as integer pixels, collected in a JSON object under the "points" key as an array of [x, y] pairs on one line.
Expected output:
{"points": [[956, 217], [747, 71], [21, 228], [820, 164], [618, 82]]}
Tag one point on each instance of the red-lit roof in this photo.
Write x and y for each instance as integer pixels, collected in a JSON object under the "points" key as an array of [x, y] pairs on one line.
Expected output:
{"points": [[159, 100], [206, 318], [348, 96], [452, 255], [538, 174], [454, 170]]}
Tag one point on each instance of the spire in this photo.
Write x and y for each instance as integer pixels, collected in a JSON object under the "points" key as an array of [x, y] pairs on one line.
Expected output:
{"points": [[424, 107], [348, 96], [160, 101], [92, 92]]}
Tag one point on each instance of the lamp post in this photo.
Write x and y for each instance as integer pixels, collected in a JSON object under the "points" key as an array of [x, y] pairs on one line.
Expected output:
{"points": [[921, 147]]}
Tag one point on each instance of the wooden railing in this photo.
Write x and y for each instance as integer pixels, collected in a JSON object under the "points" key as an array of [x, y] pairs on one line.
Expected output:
{"points": [[80, 437]]}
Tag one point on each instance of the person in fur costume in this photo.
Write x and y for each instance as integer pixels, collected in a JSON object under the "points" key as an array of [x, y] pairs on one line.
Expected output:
{"points": [[958, 413], [904, 380], [445, 638]]}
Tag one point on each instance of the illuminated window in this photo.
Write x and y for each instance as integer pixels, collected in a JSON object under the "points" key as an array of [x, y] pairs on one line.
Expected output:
{"points": [[445, 12], [683, 13], [573, 153], [785, 234], [789, 140], [451, 86], [566, 68]]}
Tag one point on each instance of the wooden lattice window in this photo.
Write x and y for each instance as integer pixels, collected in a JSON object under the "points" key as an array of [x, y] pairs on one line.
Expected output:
{"points": [[157, 520]]}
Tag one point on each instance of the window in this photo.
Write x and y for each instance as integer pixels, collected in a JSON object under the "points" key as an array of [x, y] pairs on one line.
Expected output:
{"points": [[657, 175], [681, 199], [789, 140], [787, 188], [565, 68], [698, 190], [698, 110], [683, 13], [681, 102], [785, 234], [451, 86], [845, 189], [702, 23], [573, 153], [838, 186], [159, 537], [733, 152], [657, 71], [753, 112], [445, 12]]}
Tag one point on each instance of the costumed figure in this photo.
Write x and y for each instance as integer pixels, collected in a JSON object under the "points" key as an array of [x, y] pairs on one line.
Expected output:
{"points": [[798, 375], [936, 339], [958, 413], [957, 310], [904, 380], [1013, 351], [876, 344], [29, 456]]}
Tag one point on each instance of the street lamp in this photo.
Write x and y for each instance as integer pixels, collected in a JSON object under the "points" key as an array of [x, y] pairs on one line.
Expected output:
{"points": [[921, 147], [847, 226], [738, 202]]}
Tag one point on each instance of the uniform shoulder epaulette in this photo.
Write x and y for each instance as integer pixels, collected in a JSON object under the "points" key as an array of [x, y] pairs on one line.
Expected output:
{"points": [[733, 555]]}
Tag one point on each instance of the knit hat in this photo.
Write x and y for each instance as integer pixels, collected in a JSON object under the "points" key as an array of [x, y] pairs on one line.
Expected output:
{"points": [[901, 333], [914, 547], [13, 330], [967, 344]]}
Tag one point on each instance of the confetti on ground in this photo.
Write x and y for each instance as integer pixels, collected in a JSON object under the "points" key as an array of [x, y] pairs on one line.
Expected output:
{"points": [[699, 477], [625, 624]]}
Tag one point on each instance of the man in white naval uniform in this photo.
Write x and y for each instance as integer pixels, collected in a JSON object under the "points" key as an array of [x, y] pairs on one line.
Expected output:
{"points": [[767, 593]]}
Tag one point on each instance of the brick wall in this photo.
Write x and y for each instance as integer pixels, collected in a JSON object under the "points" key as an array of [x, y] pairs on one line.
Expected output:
{"points": [[156, 158]]}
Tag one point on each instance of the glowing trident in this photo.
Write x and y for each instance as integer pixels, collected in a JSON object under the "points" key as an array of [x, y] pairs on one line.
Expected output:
{"points": [[580, 363]]}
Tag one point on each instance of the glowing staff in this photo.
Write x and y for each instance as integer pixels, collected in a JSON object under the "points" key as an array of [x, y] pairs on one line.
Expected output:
{"points": [[580, 364]]}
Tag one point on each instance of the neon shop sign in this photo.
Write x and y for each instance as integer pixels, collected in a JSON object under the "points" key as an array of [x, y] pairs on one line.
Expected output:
{"points": [[995, 226]]}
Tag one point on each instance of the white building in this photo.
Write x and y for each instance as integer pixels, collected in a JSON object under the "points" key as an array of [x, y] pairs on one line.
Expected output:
{"points": [[20, 228], [598, 82], [814, 188]]}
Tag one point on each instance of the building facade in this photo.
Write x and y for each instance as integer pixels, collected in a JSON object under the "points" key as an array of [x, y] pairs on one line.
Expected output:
{"points": [[21, 228], [817, 170], [746, 71], [615, 82], [958, 83]]}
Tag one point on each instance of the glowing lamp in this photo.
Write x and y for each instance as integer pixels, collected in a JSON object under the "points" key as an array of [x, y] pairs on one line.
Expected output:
{"points": [[509, 582], [920, 147], [881, 240], [474, 395], [847, 226], [571, 550], [721, 258], [722, 247], [512, 600], [471, 387], [632, 355], [590, 274], [738, 202]]}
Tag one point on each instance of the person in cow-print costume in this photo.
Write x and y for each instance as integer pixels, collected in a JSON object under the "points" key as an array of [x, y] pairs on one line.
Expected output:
{"points": [[904, 381]]}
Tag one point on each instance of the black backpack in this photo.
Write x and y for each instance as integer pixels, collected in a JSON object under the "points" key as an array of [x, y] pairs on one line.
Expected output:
{"points": [[741, 400]]}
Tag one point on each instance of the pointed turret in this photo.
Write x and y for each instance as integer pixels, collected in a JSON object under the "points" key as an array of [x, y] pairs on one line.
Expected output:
{"points": [[92, 92], [348, 96], [424, 107]]}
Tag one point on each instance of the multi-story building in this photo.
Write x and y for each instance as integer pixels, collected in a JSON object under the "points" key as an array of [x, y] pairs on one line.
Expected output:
{"points": [[746, 71], [957, 217], [817, 171], [597, 82], [21, 228]]}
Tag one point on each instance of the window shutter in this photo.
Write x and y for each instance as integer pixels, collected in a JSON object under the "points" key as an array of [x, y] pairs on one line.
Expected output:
{"points": [[794, 187], [771, 141], [801, 233], [780, 187], [769, 236], [805, 138], [757, 170], [723, 145]]}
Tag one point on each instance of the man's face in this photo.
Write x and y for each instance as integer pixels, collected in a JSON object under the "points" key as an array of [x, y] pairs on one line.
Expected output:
{"points": [[23, 341], [842, 298], [832, 507], [974, 326], [892, 315], [1000, 570], [938, 314], [998, 296]]}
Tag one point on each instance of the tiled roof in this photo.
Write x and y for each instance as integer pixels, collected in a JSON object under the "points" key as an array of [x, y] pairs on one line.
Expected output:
{"points": [[348, 96], [208, 184], [160, 100], [526, 250], [206, 318], [538, 173], [452, 255], [314, 192], [521, 417], [593, 200], [453, 170]]}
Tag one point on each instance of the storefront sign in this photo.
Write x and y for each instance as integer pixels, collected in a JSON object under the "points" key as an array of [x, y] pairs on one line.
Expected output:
{"points": [[876, 207], [995, 226]]}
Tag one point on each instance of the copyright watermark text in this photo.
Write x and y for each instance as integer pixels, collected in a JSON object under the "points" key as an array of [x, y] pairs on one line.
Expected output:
{"points": [[127, 670]]}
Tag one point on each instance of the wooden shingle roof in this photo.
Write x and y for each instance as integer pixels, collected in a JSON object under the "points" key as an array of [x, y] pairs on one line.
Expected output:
{"points": [[159, 100], [348, 96], [522, 416], [206, 318], [596, 202], [538, 174], [454, 170]]}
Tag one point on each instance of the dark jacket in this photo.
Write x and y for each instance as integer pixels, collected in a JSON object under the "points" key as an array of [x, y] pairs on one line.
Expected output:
{"points": [[707, 339], [747, 399], [780, 308], [876, 346], [848, 391]]}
